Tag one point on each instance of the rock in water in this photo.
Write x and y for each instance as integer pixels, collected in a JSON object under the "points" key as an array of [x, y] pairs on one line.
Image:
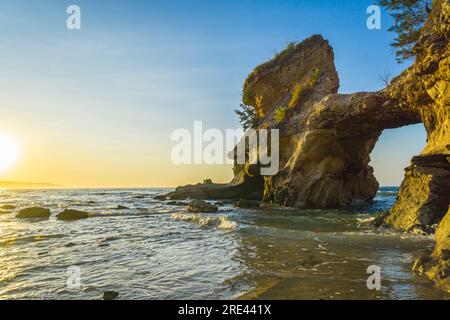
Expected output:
{"points": [[160, 197], [437, 266], [7, 207], [110, 295], [423, 199], [120, 207], [34, 212], [175, 203], [198, 206], [247, 204], [70, 214]]}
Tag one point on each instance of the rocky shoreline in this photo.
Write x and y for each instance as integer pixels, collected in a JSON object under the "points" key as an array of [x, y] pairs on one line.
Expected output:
{"points": [[326, 138]]}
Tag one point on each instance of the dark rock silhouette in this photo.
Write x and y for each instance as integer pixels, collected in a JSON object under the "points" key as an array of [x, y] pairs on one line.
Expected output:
{"points": [[34, 212], [70, 214]]}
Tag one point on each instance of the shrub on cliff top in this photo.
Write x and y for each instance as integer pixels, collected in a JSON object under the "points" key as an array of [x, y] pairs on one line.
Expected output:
{"points": [[289, 47]]}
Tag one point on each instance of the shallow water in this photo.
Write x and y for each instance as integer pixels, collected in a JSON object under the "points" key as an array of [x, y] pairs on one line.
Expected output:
{"points": [[155, 251]]}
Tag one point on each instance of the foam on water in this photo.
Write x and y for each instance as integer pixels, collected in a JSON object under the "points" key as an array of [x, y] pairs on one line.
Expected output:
{"points": [[153, 250], [220, 222]]}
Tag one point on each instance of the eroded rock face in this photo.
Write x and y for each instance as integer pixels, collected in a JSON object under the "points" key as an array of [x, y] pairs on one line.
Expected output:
{"points": [[325, 138], [424, 195], [437, 266]]}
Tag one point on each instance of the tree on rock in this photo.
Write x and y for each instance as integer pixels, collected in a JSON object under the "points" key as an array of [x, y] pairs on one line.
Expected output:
{"points": [[409, 17], [247, 117]]}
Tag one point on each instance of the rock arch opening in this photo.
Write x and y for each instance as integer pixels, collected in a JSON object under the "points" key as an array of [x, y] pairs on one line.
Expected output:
{"points": [[393, 153]]}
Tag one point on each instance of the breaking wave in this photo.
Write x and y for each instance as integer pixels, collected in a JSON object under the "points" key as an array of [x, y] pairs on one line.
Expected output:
{"points": [[220, 222]]}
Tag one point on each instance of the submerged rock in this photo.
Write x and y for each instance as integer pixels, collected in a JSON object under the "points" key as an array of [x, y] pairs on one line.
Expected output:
{"points": [[70, 244], [70, 214], [175, 203], [160, 197], [110, 295], [120, 207], [247, 204], [201, 206], [378, 219], [7, 207], [34, 212]]}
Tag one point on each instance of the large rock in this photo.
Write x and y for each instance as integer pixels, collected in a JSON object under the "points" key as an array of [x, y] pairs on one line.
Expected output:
{"points": [[69, 214], [34, 212], [424, 88], [326, 138], [437, 266], [198, 206], [244, 186]]}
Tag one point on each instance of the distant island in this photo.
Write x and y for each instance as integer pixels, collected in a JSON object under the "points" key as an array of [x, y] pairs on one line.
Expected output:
{"points": [[27, 185]]}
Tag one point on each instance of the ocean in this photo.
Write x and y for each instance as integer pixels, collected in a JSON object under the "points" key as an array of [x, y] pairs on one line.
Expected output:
{"points": [[153, 250]]}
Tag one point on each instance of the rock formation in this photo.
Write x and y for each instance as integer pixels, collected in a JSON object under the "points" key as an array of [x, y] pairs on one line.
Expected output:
{"points": [[70, 215], [425, 89], [326, 138], [198, 206], [34, 212]]}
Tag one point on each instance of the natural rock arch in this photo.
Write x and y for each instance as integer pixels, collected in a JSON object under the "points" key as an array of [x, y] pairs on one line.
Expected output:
{"points": [[326, 138]]}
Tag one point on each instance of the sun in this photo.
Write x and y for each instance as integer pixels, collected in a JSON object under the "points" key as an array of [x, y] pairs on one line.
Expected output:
{"points": [[9, 152]]}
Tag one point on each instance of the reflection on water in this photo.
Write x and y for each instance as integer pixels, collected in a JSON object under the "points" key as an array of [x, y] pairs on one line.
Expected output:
{"points": [[158, 251]]}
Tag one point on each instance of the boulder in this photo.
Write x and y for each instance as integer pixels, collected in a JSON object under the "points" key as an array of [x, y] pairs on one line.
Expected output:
{"points": [[34, 212], [110, 295], [70, 214], [198, 206], [161, 197]]}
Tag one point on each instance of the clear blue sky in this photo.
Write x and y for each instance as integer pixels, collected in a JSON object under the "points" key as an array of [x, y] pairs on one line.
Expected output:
{"points": [[139, 69]]}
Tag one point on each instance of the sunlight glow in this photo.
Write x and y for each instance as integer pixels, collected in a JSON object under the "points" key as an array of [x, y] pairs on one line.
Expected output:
{"points": [[9, 152]]}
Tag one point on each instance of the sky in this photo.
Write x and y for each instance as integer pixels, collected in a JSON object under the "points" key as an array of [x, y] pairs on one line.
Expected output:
{"points": [[96, 107]]}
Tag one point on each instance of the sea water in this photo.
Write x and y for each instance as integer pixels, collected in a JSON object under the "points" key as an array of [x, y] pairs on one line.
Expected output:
{"points": [[157, 251]]}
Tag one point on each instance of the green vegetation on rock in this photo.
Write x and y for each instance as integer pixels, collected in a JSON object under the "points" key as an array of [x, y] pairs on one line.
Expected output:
{"points": [[298, 90], [317, 73], [280, 114]]}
